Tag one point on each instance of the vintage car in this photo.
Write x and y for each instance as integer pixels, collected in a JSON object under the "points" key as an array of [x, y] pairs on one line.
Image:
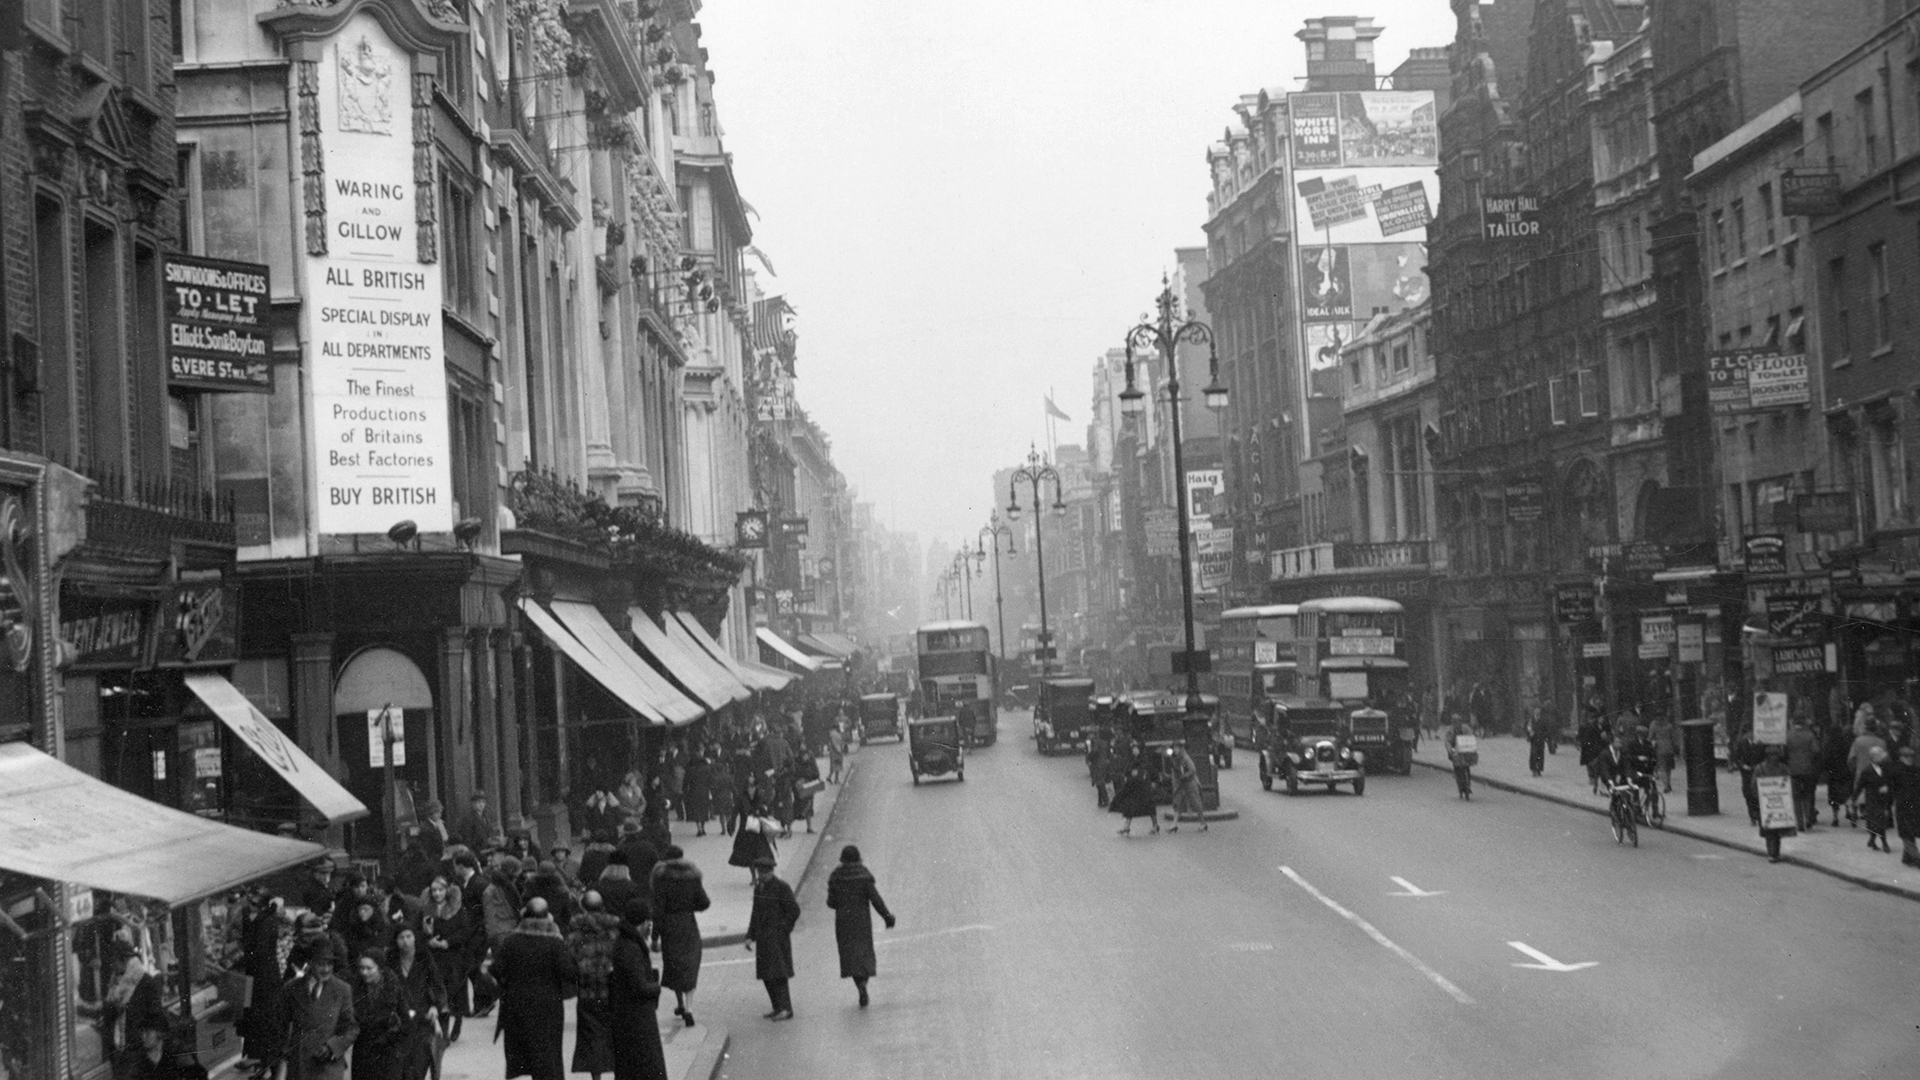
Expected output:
{"points": [[1306, 743], [934, 748], [1062, 718], [880, 717]]}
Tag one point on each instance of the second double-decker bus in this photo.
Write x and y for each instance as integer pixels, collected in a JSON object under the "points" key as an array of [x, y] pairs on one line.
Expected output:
{"points": [[1353, 651], [1253, 661], [956, 676]]}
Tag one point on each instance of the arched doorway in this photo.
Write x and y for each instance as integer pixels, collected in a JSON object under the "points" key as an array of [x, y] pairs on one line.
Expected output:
{"points": [[374, 683]]}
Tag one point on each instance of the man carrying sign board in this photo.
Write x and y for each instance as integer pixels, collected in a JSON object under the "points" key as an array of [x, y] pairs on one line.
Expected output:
{"points": [[1775, 788]]}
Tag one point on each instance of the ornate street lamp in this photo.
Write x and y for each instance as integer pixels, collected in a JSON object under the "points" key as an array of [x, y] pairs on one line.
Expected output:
{"points": [[1033, 472], [1164, 335], [963, 565], [994, 530]]}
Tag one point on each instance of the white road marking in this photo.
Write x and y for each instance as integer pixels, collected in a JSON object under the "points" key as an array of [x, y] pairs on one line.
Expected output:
{"points": [[1548, 963], [1385, 942], [931, 934], [1708, 856], [1412, 889], [1251, 946]]}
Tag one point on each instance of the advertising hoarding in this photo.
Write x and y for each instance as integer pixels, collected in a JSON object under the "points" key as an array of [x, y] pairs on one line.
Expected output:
{"points": [[217, 335], [1513, 216], [1326, 285], [372, 305], [1365, 206]]}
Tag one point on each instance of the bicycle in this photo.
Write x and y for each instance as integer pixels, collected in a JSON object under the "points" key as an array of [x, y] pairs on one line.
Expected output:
{"points": [[1623, 811], [1654, 803]]}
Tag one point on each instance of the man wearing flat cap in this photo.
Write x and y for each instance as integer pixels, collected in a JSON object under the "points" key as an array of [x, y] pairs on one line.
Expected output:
{"points": [[770, 935], [320, 1023]]}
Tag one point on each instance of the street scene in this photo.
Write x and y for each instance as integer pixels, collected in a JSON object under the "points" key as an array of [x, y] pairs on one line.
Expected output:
{"points": [[1374, 542]]}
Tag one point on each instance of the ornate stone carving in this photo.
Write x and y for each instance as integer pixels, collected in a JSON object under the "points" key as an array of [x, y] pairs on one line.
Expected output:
{"points": [[366, 89], [313, 165], [425, 212]]}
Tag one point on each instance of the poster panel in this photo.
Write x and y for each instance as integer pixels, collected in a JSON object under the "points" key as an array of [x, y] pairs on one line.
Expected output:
{"points": [[1326, 285], [1770, 719], [1389, 127], [372, 306], [1390, 277], [1365, 206], [1324, 342], [1776, 802], [1316, 129]]}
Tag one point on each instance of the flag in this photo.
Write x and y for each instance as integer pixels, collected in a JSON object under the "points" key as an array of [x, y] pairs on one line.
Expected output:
{"points": [[1054, 410]]}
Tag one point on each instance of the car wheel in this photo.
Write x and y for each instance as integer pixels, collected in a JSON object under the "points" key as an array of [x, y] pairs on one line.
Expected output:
{"points": [[1226, 759], [916, 778], [1266, 776], [1293, 782], [961, 775], [1359, 785]]}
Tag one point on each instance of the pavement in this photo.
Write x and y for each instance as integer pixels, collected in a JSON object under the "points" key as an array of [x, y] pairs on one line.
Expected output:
{"points": [[1840, 851]]}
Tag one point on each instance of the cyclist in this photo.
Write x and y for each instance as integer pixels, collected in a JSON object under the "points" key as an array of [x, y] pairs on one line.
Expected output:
{"points": [[1643, 758], [1462, 760], [1619, 769]]}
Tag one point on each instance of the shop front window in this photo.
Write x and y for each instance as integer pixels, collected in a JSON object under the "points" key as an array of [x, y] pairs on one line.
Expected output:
{"points": [[24, 977]]}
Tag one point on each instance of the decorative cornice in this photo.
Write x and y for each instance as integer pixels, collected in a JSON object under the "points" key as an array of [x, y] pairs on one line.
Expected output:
{"points": [[413, 27]]}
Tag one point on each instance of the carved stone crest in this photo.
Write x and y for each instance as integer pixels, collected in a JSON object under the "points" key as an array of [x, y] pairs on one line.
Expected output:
{"points": [[366, 89]]}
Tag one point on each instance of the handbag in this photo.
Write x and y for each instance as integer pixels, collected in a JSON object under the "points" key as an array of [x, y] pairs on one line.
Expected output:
{"points": [[812, 787]]}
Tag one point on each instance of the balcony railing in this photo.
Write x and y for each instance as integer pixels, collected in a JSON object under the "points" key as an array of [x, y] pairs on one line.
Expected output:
{"points": [[1316, 559], [146, 515]]}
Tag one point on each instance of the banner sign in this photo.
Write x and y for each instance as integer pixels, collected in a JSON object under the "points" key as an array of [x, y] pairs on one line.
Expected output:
{"points": [[1575, 604], [1809, 192], [217, 334], [1727, 383], [1748, 380], [1793, 615], [372, 309], [1799, 659], [1657, 629], [1526, 502], [1766, 554], [1776, 802], [1163, 531], [1509, 217], [1770, 719], [1690, 640], [1316, 130], [1212, 558], [1206, 496]]}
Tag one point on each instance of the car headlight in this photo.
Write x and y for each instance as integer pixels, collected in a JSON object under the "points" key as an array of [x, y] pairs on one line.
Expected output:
{"points": [[1359, 758], [1345, 753]]}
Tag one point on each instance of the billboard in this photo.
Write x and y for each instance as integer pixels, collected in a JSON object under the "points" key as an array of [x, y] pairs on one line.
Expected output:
{"points": [[1326, 285], [217, 334], [378, 390], [1365, 206], [1206, 493]]}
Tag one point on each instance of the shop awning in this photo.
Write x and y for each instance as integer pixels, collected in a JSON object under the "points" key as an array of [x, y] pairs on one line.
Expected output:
{"points": [[786, 650], [58, 823], [753, 673], [828, 643], [282, 755], [1360, 663], [586, 638], [695, 669]]}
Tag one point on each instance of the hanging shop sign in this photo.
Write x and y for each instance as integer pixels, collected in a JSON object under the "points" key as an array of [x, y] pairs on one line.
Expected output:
{"points": [[1690, 639], [105, 634], [1766, 554], [372, 308], [1509, 217], [1657, 629], [378, 721], [750, 530], [1575, 604], [217, 333], [1809, 192], [199, 625], [1213, 558], [1596, 650], [1800, 659]]}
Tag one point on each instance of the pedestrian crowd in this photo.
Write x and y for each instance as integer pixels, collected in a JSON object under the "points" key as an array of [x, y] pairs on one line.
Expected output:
{"points": [[1866, 763], [1134, 779]]}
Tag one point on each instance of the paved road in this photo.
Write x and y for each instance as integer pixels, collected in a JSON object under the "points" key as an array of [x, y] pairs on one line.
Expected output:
{"points": [[1036, 943]]}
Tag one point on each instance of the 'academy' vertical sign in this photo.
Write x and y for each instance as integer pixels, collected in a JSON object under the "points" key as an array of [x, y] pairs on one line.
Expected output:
{"points": [[372, 307]]}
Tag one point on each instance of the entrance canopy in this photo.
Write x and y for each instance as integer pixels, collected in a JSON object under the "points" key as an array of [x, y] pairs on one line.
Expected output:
{"points": [[754, 674], [828, 643], [787, 651], [58, 823], [695, 670], [585, 637], [282, 755]]}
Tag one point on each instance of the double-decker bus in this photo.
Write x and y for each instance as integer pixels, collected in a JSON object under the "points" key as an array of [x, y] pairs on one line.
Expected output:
{"points": [[1253, 662], [956, 676], [1353, 650]]}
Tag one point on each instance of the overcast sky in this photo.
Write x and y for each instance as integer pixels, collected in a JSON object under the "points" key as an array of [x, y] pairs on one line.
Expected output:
{"points": [[969, 203]]}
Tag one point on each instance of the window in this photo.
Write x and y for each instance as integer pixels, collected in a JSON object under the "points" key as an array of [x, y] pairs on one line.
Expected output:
{"points": [[1842, 331], [1402, 357], [670, 103], [1886, 473], [1719, 238], [1557, 401], [1869, 129], [106, 351], [186, 197], [136, 44], [1882, 295], [1766, 215], [1823, 135], [54, 325], [686, 215], [95, 18], [1773, 331], [1589, 384], [459, 265], [1796, 332], [1739, 213]]}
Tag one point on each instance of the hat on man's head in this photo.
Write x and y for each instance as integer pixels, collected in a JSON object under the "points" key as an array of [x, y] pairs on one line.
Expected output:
{"points": [[764, 862], [849, 854], [509, 864], [478, 796]]}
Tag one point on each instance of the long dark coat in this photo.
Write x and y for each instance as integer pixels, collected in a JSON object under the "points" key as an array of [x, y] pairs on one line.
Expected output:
{"points": [[617, 888], [748, 845], [853, 896], [770, 928], [1134, 796], [697, 789], [420, 989], [263, 1026], [316, 1025], [383, 1028], [1905, 781], [633, 995], [678, 895], [1875, 787], [446, 942], [591, 940], [536, 976]]}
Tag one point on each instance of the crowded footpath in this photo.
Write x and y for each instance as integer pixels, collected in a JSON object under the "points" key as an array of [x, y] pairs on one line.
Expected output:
{"points": [[481, 933]]}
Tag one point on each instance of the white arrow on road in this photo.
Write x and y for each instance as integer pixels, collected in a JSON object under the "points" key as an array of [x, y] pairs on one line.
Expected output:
{"points": [[1412, 889], [1548, 963]]}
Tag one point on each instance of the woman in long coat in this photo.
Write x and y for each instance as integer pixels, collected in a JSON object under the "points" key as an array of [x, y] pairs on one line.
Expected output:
{"points": [[383, 1023], [1133, 798], [633, 996], [678, 895], [697, 789], [422, 997], [536, 976], [263, 1026], [853, 895], [446, 940], [751, 843], [590, 937], [1906, 805]]}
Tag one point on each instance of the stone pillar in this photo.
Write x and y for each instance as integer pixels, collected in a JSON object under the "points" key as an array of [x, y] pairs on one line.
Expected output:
{"points": [[508, 651], [485, 758], [455, 729]]}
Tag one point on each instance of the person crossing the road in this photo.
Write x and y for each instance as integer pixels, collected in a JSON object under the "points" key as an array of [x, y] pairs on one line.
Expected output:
{"points": [[1186, 789]]}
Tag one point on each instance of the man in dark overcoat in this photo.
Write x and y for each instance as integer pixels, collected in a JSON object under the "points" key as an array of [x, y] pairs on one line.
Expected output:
{"points": [[633, 996], [853, 895], [770, 935], [536, 974], [320, 1021]]}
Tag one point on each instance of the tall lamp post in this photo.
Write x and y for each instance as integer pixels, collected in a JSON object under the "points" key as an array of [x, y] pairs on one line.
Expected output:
{"points": [[963, 566], [1033, 472], [1164, 335], [994, 529]]}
